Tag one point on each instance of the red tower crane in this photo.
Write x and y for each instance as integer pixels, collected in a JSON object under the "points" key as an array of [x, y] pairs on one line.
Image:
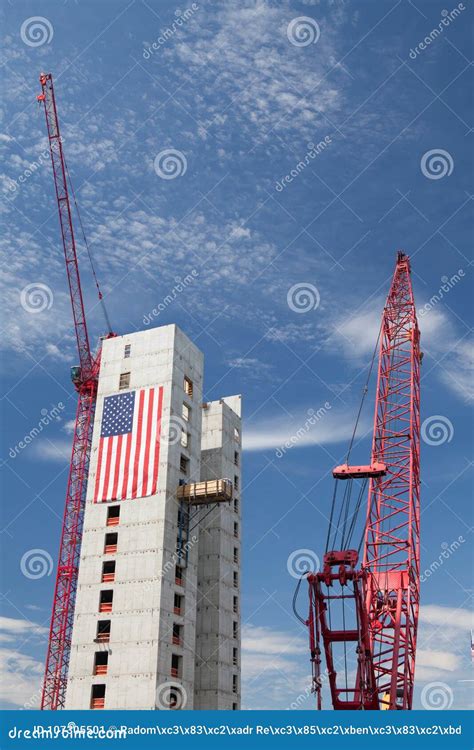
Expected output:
{"points": [[85, 378], [366, 616]]}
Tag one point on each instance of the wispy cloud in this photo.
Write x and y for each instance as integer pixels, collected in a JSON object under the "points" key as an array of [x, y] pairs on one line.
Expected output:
{"points": [[259, 72], [333, 426], [452, 618], [443, 651], [21, 674], [445, 350], [55, 449], [274, 670]]}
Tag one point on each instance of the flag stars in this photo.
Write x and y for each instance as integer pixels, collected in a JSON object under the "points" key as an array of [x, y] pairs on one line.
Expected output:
{"points": [[117, 417]]}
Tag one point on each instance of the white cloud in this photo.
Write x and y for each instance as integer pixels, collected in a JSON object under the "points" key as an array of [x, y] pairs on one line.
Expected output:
{"points": [[292, 332], [21, 674], [254, 368], [20, 686], [69, 426], [456, 371], [11, 628], [443, 651], [355, 336], [259, 73], [333, 426], [275, 668], [56, 353], [52, 450], [440, 660], [265, 641], [448, 617]]}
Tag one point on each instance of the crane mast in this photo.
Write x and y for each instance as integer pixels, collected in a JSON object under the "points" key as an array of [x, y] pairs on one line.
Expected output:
{"points": [[392, 540], [366, 617], [85, 379]]}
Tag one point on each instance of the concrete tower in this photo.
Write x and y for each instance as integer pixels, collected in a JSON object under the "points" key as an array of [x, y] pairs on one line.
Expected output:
{"points": [[217, 681], [150, 553]]}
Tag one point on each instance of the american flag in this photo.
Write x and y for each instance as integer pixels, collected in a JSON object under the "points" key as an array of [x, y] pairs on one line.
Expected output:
{"points": [[129, 445]]}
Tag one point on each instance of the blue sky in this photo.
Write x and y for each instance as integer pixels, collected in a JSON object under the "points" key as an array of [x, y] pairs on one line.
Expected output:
{"points": [[242, 97]]}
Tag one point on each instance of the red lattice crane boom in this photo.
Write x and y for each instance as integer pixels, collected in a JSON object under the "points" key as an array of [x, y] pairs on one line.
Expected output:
{"points": [[366, 617], [85, 378]]}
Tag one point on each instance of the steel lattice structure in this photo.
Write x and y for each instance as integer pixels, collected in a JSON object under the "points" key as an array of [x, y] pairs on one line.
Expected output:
{"points": [[85, 378], [383, 593]]}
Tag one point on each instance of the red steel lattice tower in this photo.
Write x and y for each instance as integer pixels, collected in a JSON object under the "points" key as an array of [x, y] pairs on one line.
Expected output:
{"points": [[85, 378], [382, 595]]}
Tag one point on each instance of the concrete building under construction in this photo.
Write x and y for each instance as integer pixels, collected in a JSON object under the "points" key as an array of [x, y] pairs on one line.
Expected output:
{"points": [[157, 611]]}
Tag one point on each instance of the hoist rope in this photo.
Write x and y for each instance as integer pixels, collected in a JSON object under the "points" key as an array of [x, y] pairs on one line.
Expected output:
{"points": [[364, 393], [89, 253], [344, 515], [355, 514]]}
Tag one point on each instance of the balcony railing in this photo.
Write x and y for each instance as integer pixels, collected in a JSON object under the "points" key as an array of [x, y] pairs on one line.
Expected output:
{"points": [[98, 703], [113, 521], [100, 669], [105, 607], [174, 672], [108, 577], [110, 549], [176, 640], [103, 637]]}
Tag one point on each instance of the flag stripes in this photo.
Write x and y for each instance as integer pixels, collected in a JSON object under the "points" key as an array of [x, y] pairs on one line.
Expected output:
{"points": [[129, 445]]}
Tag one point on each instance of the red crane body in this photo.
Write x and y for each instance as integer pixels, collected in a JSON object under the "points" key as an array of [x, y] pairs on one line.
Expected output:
{"points": [[382, 596], [85, 378]]}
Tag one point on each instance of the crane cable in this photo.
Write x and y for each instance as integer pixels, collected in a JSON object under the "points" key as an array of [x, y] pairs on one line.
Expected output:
{"points": [[295, 596], [347, 492], [364, 393], [89, 253]]}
